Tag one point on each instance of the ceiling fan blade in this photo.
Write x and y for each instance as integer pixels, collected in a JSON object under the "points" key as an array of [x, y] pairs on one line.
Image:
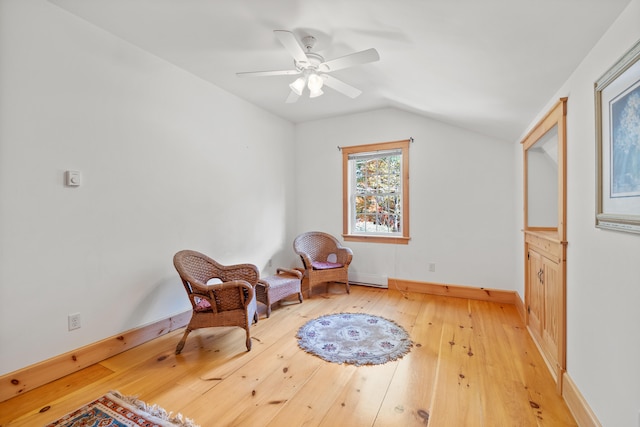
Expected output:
{"points": [[290, 43], [341, 86], [293, 97], [268, 73], [362, 57]]}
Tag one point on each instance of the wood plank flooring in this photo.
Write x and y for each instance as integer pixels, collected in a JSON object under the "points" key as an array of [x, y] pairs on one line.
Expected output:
{"points": [[472, 364]]}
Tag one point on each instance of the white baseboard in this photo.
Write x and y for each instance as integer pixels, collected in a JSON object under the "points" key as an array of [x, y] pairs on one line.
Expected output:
{"points": [[367, 279]]}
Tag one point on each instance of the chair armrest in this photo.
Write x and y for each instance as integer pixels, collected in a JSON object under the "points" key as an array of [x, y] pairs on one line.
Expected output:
{"points": [[204, 288], [344, 255], [306, 260], [296, 273], [231, 284], [234, 284]]}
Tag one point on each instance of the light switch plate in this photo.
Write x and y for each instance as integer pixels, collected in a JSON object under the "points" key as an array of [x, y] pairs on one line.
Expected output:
{"points": [[73, 178]]}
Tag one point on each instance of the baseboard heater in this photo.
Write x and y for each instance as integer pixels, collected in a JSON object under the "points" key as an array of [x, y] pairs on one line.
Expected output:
{"points": [[365, 279]]}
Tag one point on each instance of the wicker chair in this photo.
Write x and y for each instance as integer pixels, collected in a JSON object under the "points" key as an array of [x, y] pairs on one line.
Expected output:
{"points": [[324, 258], [230, 302]]}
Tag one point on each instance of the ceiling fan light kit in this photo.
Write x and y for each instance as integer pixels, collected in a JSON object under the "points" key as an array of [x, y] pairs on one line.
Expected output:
{"points": [[315, 93], [314, 83], [310, 79], [314, 69], [298, 85]]}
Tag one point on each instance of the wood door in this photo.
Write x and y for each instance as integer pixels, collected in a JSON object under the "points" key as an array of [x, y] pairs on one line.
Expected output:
{"points": [[536, 301], [554, 307]]}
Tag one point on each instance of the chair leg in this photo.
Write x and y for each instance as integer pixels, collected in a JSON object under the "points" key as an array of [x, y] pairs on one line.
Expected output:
{"points": [[347, 286], [248, 341], [300, 296], [180, 345], [268, 310]]}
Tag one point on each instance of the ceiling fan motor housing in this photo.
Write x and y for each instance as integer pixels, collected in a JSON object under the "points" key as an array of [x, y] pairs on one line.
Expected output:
{"points": [[314, 61], [308, 42]]}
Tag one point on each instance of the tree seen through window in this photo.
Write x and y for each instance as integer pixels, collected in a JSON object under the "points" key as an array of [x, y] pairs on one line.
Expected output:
{"points": [[378, 196]]}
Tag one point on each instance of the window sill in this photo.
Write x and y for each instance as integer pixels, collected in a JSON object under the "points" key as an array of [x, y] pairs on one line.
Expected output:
{"points": [[398, 240]]}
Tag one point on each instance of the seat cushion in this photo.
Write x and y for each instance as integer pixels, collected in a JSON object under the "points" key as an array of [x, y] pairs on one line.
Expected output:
{"points": [[325, 265], [203, 305]]}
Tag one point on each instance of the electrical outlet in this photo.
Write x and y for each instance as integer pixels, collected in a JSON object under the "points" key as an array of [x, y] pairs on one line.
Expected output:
{"points": [[432, 267], [74, 321]]}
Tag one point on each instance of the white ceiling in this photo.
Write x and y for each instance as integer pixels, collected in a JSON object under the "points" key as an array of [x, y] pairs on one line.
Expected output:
{"points": [[485, 65]]}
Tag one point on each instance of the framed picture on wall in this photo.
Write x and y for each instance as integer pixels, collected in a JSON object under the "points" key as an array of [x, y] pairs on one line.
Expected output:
{"points": [[617, 98]]}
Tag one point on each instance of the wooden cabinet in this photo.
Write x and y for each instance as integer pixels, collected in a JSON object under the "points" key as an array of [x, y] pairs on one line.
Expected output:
{"points": [[545, 221], [545, 299]]}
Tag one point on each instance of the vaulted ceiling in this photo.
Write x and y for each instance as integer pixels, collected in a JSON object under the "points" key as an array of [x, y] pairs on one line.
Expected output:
{"points": [[485, 65]]}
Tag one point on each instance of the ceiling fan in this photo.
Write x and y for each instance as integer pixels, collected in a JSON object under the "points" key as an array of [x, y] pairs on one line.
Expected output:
{"points": [[313, 69]]}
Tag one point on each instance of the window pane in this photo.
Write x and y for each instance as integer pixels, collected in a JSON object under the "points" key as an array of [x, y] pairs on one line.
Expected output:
{"points": [[359, 205], [376, 179]]}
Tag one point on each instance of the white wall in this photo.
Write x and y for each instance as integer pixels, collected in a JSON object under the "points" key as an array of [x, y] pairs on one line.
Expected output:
{"points": [[603, 267], [158, 148], [462, 192], [168, 162]]}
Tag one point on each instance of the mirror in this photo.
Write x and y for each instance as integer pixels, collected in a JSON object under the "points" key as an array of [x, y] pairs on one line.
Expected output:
{"points": [[542, 181]]}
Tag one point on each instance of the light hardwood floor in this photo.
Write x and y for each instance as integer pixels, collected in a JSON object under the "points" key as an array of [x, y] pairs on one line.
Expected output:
{"points": [[472, 364]]}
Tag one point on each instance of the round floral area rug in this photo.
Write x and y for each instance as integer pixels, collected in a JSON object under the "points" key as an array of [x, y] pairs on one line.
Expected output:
{"points": [[354, 338]]}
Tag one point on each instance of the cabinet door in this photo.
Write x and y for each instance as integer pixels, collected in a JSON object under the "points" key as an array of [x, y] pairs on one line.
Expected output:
{"points": [[536, 303], [554, 306]]}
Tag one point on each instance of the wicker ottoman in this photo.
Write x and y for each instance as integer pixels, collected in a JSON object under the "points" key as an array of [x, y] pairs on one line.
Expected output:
{"points": [[272, 289]]}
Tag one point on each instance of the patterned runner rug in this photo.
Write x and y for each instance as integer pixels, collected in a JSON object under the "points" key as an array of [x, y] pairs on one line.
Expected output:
{"points": [[116, 410], [354, 338]]}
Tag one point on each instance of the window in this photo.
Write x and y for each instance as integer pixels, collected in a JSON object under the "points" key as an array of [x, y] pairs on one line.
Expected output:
{"points": [[375, 182]]}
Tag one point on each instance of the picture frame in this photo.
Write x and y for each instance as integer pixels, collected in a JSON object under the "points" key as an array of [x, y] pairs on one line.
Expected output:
{"points": [[617, 102]]}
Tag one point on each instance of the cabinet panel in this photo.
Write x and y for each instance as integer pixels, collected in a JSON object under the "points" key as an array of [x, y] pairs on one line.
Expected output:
{"points": [[554, 308], [535, 302]]}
